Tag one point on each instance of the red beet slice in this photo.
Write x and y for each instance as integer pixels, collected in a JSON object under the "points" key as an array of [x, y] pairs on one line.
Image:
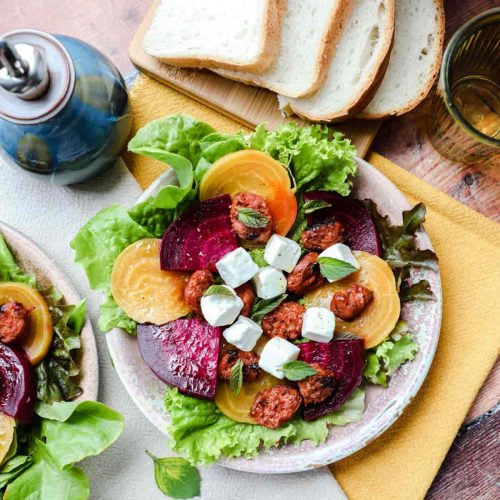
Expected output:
{"points": [[17, 384], [345, 358], [182, 353], [361, 232], [199, 237]]}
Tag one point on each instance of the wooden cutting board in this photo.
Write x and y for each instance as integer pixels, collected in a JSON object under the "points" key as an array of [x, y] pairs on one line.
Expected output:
{"points": [[247, 104]]}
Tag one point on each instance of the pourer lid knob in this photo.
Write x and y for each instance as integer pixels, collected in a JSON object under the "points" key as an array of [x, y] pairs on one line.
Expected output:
{"points": [[23, 70]]}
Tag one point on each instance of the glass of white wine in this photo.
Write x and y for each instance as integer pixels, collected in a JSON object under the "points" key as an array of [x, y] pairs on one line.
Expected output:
{"points": [[464, 120]]}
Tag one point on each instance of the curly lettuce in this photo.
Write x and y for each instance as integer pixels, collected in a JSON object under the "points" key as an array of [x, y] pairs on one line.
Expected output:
{"points": [[383, 360], [201, 433]]}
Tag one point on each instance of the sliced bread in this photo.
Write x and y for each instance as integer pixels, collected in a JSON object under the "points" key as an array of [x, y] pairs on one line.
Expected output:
{"points": [[309, 31], [415, 59], [356, 65], [233, 34]]}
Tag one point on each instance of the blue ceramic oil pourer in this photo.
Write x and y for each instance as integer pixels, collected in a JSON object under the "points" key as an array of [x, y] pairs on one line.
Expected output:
{"points": [[64, 111]]}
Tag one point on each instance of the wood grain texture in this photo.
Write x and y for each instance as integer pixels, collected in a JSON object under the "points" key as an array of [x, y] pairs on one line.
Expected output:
{"points": [[470, 470], [110, 26], [246, 104]]}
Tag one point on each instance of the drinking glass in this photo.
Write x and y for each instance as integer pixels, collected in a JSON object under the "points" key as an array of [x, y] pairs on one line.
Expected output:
{"points": [[464, 121]]}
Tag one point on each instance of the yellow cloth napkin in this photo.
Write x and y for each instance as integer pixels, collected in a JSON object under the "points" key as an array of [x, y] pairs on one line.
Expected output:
{"points": [[402, 463]]}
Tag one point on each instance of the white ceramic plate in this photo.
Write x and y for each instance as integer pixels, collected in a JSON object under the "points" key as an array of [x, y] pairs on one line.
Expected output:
{"points": [[31, 258], [383, 406]]}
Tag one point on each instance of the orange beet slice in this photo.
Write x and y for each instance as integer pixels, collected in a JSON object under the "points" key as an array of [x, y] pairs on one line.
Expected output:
{"points": [[7, 429], [145, 292], [378, 320], [38, 339], [255, 172]]}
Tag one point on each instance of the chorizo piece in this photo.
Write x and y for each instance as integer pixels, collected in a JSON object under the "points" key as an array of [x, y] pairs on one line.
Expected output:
{"points": [[14, 318], [197, 285], [305, 276], [350, 303], [285, 321], [322, 235], [247, 295], [317, 388], [275, 406], [250, 360], [255, 202]]}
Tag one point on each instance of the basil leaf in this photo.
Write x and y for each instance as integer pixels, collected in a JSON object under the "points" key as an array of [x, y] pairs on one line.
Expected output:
{"points": [[236, 377], [335, 269], [218, 290], [252, 218], [257, 255], [314, 205], [302, 340], [298, 370], [421, 290], [300, 224], [176, 477], [263, 307]]}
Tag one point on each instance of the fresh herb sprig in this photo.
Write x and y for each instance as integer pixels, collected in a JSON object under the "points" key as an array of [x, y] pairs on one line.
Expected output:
{"points": [[263, 307], [335, 269], [236, 377], [252, 218], [298, 370]]}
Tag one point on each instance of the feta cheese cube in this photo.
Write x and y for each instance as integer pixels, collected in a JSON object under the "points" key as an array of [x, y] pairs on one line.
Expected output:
{"points": [[341, 252], [276, 353], [243, 334], [236, 267], [269, 282], [318, 324], [221, 310], [282, 253]]}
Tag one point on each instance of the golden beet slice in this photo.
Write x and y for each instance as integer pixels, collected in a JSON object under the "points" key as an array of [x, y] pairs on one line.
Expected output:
{"points": [[255, 172], [38, 339], [145, 292], [378, 320], [238, 407], [7, 429]]}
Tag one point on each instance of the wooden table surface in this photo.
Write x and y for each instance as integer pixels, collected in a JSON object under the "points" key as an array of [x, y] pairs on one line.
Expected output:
{"points": [[470, 470]]}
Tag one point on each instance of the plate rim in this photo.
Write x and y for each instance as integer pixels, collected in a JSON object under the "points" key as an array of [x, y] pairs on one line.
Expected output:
{"points": [[326, 459], [89, 360]]}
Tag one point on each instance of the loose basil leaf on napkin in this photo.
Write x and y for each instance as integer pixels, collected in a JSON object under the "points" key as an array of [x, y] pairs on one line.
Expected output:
{"points": [[399, 243], [176, 477], [45, 480], [74, 431]]}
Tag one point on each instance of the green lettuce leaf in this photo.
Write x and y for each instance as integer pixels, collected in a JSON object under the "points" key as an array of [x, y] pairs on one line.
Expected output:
{"points": [[57, 374], [201, 433], [45, 480], [316, 160], [383, 360], [154, 219], [9, 270], [74, 431], [97, 245], [13, 468], [399, 243]]}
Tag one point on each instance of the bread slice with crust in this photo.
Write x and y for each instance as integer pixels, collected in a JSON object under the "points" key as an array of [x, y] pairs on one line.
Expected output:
{"points": [[233, 34], [415, 59], [356, 67], [309, 31]]}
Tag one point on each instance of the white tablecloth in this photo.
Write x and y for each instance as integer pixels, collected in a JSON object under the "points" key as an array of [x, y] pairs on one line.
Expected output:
{"points": [[51, 216]]}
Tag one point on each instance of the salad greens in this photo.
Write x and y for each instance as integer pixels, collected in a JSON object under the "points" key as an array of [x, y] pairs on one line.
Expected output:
{"points": [[39, 463], [201, 433], [383, 360], [190, 147]]}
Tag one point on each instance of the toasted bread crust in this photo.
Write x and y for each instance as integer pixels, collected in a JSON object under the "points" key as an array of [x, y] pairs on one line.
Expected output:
{"points": [[267, 55], [432, 74], [337, 17]]}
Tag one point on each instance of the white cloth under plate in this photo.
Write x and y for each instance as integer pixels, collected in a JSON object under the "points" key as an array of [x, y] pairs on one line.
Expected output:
{"points": [[51, 215]]}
